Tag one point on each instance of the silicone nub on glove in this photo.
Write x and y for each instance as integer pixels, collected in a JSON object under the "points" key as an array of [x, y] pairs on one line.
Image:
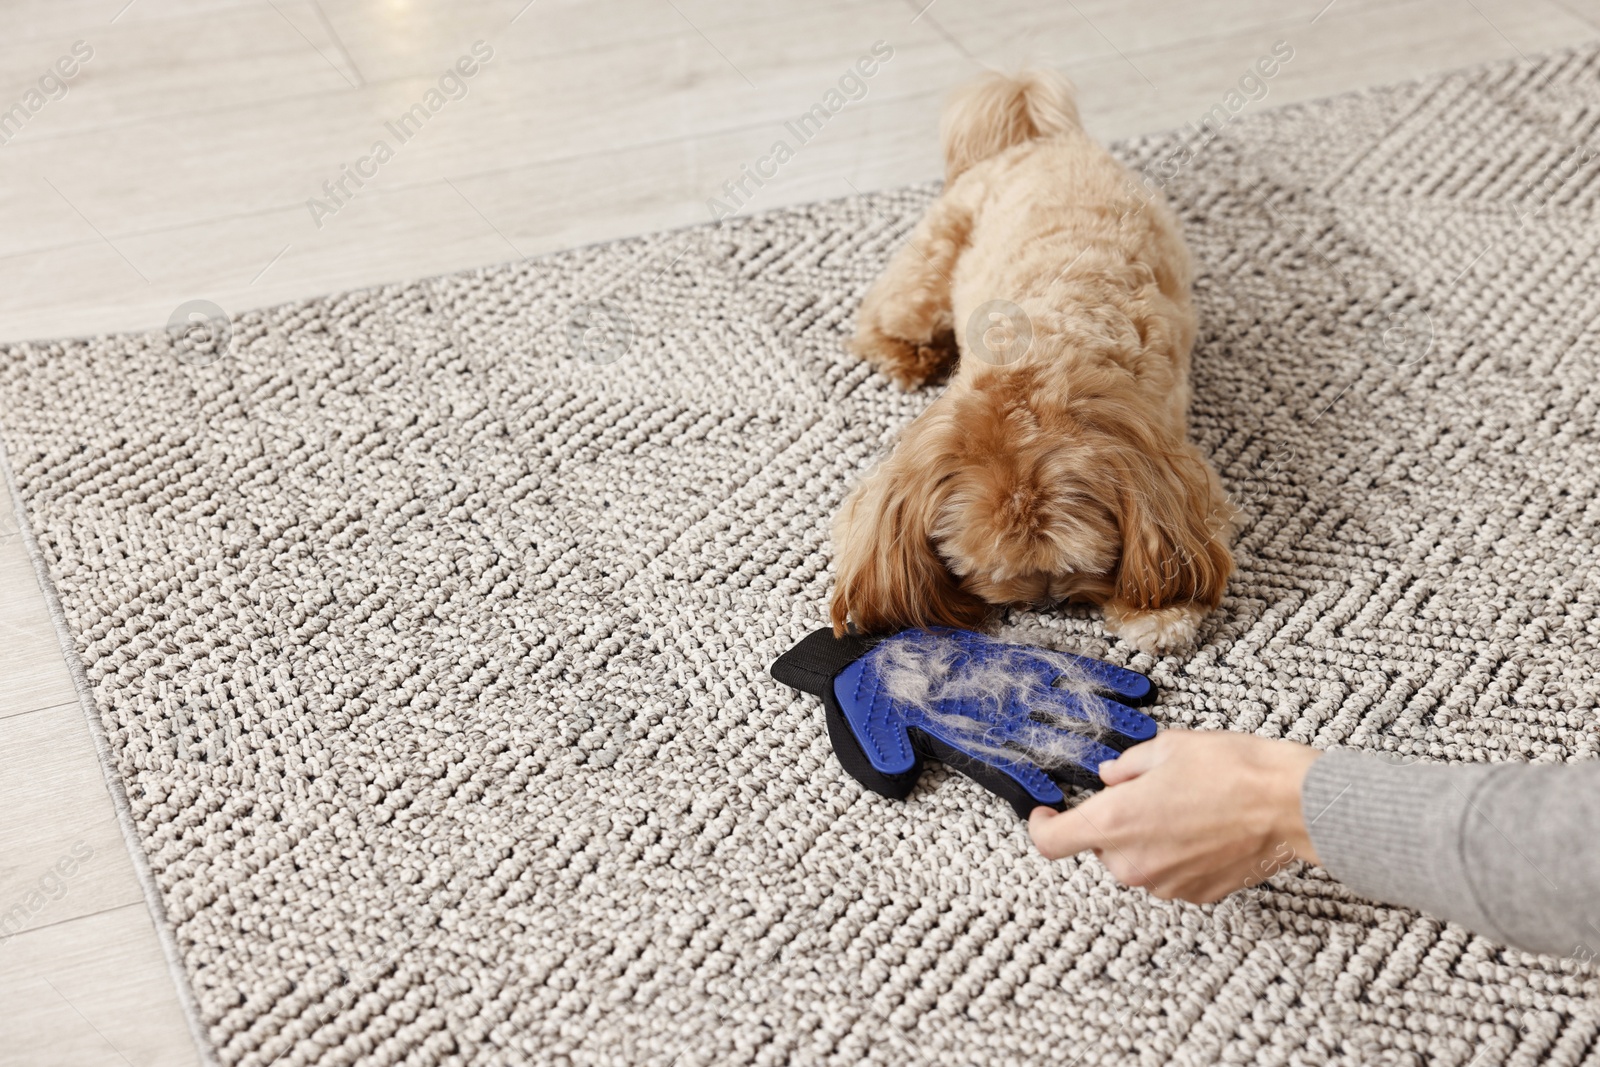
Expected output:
{"points": [[1020, 721]]}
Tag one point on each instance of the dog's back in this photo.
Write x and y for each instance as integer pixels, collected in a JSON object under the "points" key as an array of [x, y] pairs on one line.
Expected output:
{"points": [[1051, 212], [1055, 465]]}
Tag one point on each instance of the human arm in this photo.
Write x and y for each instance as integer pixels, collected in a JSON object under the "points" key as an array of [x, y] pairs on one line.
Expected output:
{"points": [[1509, 850], [1506, 850]]}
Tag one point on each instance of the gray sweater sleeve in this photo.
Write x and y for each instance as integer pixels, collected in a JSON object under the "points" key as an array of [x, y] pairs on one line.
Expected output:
{"points": [[1509, 850]]}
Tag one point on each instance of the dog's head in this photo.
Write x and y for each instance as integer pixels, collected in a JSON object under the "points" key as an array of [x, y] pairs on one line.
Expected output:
{"points": [[999, 495]]}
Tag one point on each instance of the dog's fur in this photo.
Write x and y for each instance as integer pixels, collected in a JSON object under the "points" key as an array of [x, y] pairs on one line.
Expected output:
{"points": [[1058, 472]]}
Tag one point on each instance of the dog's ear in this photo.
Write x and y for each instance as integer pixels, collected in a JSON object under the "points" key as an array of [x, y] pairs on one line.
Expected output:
{"points": [[1174, 521], [889, 576]]}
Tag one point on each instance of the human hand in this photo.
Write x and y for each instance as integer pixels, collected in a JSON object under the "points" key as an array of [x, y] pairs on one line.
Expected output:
{"points": [[1190, 815]]}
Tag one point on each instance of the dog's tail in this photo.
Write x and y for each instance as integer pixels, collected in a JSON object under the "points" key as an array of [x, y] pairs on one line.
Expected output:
{"points": [[987, 116]]}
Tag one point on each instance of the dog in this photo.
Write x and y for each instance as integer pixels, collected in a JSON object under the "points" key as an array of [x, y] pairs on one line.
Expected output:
{"points": [[1056, 466]]}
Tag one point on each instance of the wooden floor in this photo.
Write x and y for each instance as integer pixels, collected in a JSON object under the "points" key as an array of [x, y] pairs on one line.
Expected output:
{"points": [[187, 156]]}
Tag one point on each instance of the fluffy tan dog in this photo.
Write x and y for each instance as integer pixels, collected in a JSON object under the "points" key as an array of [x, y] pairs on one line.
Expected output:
{"points": [[1056, 465]]}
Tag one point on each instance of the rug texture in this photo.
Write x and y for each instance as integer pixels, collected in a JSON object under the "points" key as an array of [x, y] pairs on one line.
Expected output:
{"points": [[429, 628]]}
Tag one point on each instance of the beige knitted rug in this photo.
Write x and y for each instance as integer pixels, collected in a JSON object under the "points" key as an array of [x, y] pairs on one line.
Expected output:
{"points": [[429, 628]]}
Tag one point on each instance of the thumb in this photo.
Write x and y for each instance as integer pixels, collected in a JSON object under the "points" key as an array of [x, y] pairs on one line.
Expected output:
{"points": [[1138, 759]]}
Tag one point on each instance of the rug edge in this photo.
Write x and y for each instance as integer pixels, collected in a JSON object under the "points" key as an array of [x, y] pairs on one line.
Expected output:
{"points": [[154, 906]]}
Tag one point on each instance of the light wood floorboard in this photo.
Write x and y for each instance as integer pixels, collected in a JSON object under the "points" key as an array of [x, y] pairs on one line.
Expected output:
{"points": [[93, 991]]}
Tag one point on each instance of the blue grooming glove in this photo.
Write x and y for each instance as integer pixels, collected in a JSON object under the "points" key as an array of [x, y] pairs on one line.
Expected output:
{"points": [[1019, 721]]}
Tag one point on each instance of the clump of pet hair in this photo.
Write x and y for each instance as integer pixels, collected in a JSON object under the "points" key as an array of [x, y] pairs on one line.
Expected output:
{"points": [[1007, 703]]}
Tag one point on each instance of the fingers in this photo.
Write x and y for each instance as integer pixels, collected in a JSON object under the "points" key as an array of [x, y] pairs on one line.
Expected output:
{"points": [[1089, 826], [1140, 758], [1058, 834], [1116, 771]]}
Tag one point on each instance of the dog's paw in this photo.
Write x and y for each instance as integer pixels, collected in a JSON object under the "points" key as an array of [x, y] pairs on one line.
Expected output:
{"points": [[1159, 632], [909, 363]]}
